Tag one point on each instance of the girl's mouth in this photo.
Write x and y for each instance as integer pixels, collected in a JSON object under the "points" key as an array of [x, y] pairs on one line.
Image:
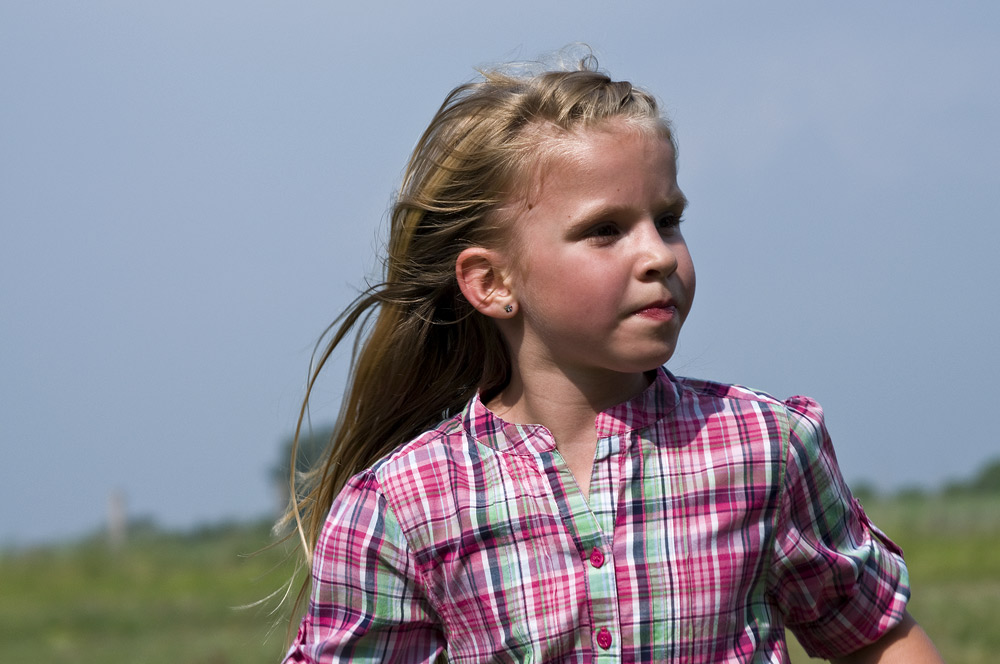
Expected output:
{"points": [[658, 311]]}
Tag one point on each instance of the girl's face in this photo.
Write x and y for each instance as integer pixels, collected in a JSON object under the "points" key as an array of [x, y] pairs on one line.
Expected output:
{"points": [[603, 280]]}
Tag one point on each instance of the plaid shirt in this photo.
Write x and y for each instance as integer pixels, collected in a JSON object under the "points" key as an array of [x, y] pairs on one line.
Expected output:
{"points": [[717, 516]]}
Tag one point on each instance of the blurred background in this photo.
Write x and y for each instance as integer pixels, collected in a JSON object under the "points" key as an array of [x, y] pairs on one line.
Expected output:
{"points": [[191, 191]]}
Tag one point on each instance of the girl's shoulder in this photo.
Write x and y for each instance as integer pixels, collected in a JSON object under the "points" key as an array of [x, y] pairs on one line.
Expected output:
{"points": [[715, 390], [430, 448], [428, 483], [798, 408]]}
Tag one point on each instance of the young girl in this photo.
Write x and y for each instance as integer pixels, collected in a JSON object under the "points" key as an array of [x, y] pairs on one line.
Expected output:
{"points": [[516, 478]]}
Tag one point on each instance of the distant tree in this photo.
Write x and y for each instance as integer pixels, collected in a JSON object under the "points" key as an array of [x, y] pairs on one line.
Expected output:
{"points": [[312, 445], [987, 480], [864, 491]]}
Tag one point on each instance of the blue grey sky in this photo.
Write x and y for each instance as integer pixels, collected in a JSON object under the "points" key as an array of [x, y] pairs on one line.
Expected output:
{"points": [[190, 191]]}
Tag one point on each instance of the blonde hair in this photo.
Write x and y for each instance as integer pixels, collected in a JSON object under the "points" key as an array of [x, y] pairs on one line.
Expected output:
{"points": [[428, 351]]}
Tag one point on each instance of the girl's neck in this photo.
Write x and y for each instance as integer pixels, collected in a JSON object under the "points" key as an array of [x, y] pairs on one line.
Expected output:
{"points": [[567, 405]]}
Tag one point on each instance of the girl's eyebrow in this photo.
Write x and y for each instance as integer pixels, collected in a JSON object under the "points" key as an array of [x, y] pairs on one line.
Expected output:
{"points": [[678, 203]]}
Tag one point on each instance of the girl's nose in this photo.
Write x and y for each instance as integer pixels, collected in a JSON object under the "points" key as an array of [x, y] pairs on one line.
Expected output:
{"points": [[657, 257]]}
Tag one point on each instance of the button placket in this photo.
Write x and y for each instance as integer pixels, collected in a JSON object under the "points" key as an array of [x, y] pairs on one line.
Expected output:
{"points": [[596, 557], [601, 580]]}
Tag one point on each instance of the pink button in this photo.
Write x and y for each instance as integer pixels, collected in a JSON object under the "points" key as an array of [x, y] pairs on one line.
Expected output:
{"points": [[596, 557], [604, 638]]}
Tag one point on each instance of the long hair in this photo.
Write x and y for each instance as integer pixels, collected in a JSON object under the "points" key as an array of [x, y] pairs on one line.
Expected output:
{"points": [[421, 350]]}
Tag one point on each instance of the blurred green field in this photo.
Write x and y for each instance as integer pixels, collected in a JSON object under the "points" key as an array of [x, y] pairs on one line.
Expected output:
{"points": [[173, 597], [161, 598]]}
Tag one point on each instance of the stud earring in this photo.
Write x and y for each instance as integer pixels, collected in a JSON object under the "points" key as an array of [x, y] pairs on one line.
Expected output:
{"points": [[509, 308]]}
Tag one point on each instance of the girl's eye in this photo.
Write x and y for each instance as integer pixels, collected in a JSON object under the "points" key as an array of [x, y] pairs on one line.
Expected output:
{"points": [[669, 222], [605, 230]]}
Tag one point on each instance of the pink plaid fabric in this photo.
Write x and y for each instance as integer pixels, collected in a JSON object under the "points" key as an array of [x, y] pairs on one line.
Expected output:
{"points": [[717, 518]]}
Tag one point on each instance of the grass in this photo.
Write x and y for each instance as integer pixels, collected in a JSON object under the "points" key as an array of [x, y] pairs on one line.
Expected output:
{"points": [[172, 597], [162, 598]]}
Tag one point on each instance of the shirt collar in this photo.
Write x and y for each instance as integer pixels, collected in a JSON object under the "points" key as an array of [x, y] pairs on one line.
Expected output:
{"points": [[653, 404]]}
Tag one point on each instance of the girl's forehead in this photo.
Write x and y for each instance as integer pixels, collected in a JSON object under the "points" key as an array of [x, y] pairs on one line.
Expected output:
{"points": [[583, 149]]}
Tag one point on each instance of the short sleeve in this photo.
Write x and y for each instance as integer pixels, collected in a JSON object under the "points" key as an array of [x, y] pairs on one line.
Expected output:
{"points": [[840, 583], [366, 603]]}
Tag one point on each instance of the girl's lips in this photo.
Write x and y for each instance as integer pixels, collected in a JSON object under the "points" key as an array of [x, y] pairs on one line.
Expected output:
{"points": [[658, 312]]}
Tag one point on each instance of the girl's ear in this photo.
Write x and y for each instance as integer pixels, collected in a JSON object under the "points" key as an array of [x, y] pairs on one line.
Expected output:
{"points": [[483, 280]]}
